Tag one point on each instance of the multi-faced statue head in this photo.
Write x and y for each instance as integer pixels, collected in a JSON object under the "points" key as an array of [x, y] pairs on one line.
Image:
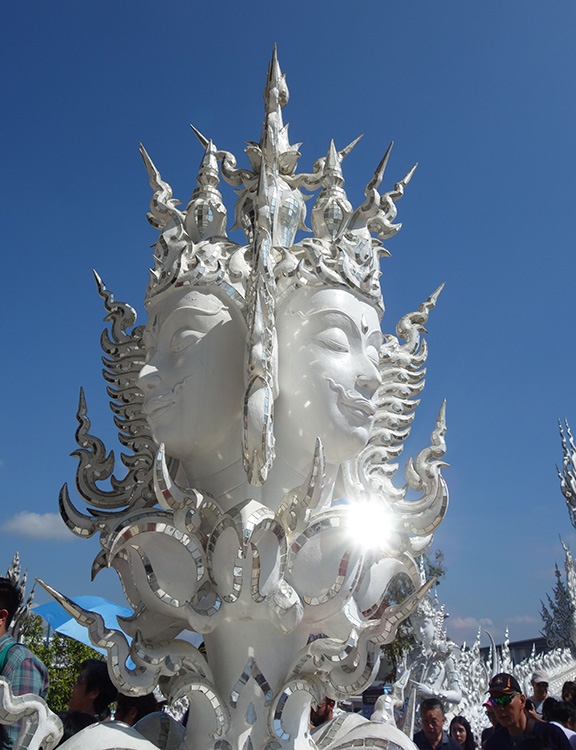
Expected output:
{"points": [[305, 317]]}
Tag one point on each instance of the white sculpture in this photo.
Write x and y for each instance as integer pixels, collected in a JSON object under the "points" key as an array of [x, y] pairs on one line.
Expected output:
{"points": [[264, 412], [431, 670]]}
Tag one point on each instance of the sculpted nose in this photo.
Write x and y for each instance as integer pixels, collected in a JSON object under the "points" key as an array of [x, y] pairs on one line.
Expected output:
{"points": [[148, 377], [369, 379]]}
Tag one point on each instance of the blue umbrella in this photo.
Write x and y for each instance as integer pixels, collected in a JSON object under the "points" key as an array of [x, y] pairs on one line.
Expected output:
{"points": [[60, 621]]}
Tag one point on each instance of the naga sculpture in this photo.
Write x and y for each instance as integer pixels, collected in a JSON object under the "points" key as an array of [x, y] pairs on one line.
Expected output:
{"points": [[264, 413]]}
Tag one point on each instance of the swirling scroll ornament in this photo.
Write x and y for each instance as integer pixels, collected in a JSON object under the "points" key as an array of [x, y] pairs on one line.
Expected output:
{"points": [[402, 370], [41, 729]]}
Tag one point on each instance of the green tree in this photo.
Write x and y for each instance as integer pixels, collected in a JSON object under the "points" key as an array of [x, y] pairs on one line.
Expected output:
{"points": [[62, 656], [400, 589]]}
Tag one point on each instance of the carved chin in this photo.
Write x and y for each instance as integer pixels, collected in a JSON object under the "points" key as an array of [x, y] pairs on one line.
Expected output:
{"points": [[346, 438]]}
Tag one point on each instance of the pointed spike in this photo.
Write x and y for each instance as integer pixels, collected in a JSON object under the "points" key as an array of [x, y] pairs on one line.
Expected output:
{"points": [[203, 140], [434, 296], [208, 170], [442, 414], [98, 279], [332, 163], [153, 173], [380, 169], [274, 73], [347, 149], [408, 176], [82, 402]]}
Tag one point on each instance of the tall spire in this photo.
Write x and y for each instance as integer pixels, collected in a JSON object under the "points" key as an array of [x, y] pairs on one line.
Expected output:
{"points": [[332, 208], [206, 213], [260, 378]]}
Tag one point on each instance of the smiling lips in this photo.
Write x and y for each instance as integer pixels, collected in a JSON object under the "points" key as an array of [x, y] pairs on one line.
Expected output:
{"points": [[158, 404], [358, 407]]}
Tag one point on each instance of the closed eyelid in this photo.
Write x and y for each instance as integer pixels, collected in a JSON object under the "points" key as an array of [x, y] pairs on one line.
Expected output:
{"points": [[339, 319], [333, 337], [184, 337]]}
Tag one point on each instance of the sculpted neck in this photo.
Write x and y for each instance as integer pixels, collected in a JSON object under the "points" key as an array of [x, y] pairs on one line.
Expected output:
{"points": [[284, 477], [221, 473]]}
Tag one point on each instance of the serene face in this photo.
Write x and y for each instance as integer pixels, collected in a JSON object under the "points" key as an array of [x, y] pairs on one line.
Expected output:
{"points": [[423, 630], [193, 377], [328, 349], [432, 723], [511, 715], [458, 733]]}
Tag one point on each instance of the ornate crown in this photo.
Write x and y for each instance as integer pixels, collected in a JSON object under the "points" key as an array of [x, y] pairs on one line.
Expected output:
{"points": [[193, 248]]}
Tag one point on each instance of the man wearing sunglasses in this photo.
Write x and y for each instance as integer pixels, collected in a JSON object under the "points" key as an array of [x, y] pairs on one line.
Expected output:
{"points": [[508, 703]]}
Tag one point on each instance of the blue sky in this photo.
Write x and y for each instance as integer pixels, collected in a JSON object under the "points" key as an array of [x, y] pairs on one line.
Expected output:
{"points": [[480, 94]]}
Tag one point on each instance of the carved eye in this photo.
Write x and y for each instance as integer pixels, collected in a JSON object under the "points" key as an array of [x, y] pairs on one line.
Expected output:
{"points": [[334, 339], [184, 338]]}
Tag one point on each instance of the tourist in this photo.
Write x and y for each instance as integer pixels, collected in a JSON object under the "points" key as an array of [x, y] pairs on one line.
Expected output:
{"points": [[132, 708], [323, 712], [18, 665], [539, 682], [93, 690], [569, 691], [461, 731], [432, 734], [563, 715], [509, 703]]}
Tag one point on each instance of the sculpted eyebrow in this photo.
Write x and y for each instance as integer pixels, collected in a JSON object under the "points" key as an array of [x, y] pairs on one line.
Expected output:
{"points": [[181, 312], [341, 315]]}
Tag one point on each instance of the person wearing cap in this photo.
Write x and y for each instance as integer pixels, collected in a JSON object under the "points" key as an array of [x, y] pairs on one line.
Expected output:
{"points": [[539, 682], [432, 736], [508, 702]]}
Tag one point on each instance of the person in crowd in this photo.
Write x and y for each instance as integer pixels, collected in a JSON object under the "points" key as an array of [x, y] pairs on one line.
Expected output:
{"points": [[461, 731], [531, 710], [509, 705], [93, 690], [18, 665], [493, 721], [323, 712], [569, 691], [540, 682], [563, 714], [132, 708], [73, 722], [432, 735]]}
